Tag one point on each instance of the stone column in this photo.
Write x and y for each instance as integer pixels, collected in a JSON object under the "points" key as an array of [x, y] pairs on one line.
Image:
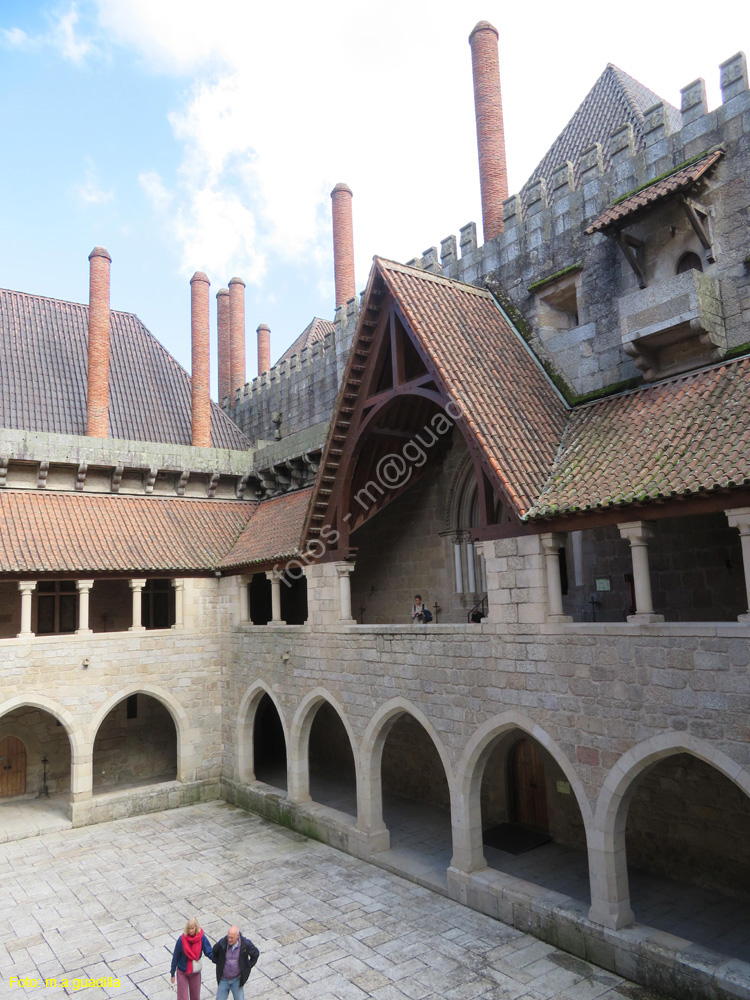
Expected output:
{"points": [[137, 587], [244, 583], [276, 618], [468, 849], [27, 588], [638, 534], [608, 874], [84, 586], [740, 518], [457, 568], [552, 542], [344, 571], [179, 603]]}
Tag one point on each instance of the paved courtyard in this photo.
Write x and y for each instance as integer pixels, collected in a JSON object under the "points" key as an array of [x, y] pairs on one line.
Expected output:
{"points": [[109, 900]]}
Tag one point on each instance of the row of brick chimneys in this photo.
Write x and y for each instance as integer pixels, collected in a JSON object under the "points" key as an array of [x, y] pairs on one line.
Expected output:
{"points": [[230, 305]]}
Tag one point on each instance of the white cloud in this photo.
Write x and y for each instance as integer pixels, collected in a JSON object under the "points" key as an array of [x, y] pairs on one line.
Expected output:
{"points": [[90, 193], [156, 192], [62, 35]]}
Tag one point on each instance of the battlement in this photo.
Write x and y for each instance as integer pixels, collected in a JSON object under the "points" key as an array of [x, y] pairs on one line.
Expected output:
{"points": [[299, 391], [545, 223]]}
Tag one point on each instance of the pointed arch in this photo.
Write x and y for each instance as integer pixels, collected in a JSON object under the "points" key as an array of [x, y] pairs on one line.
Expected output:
{"points": [[245, 756], [298, 747], [76, 733]]}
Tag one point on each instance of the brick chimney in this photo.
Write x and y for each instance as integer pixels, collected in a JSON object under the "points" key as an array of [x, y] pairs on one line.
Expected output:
{"points": [[488, 107], [264, 348], [222, 327], [97, 395], [343, 243], [237, 375], [200, 400]]}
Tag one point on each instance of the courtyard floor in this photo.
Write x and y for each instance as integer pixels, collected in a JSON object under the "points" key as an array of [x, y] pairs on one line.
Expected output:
{"points": [[110, 900]]}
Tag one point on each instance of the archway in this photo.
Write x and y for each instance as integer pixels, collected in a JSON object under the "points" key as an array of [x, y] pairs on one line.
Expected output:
{"points": [[269, 744], [135, 744], [333, 776], [36, 753]]}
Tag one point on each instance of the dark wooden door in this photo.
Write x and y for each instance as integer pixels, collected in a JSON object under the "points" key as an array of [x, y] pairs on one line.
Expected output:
{"points": [[12, 767], [529, 790]]}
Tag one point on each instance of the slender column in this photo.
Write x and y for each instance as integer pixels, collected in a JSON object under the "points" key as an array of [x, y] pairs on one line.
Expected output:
{"points": [[276, 618], [244, 582], [137, 587], [740, 518], [179, 603], [457, 565], [638, 534], [84, 587], [552, 542], [344, 571], [27, 588], [471, 567]]}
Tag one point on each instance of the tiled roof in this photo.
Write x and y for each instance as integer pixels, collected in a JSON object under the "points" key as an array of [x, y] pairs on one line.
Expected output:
{"points": [[615, 99], [315, 330], [43, 366], [275, 531], [680, 437], [679, 180], [509, 403], [100, 533]]}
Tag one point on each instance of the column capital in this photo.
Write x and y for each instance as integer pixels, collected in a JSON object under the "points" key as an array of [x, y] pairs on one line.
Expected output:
{"points": [[552, 541], [137, 584], [273, 575], [84, 585], [636, 532], [739, 518], [344, 568], [178, 583], [27, 586]]}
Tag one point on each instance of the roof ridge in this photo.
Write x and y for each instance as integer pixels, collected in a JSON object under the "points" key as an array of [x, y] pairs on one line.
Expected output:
{"points": [[394, 265]]}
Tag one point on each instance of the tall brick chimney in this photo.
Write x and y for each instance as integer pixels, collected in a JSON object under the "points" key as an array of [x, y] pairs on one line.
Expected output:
{"points": [[264, 348], [237, 375], [343, 243], [488, 107], [200, 400], [224, 342], [97, 394]]}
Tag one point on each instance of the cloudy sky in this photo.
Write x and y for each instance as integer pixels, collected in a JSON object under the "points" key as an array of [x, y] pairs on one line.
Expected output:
{"points": [[188, 136]]}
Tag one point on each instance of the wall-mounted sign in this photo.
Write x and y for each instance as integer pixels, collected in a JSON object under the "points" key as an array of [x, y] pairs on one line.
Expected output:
{"points": [[603, 583]]}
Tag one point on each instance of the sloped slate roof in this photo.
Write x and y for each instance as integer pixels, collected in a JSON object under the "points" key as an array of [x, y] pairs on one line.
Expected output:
{"points": [[315, 330], [101, 533], [680, 437], [679, 180], [43, 370], [509, 403], [615, 99], [275, 531]]}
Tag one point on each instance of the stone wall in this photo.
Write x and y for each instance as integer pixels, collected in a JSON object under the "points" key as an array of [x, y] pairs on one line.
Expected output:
{"points": [[135, 750]]}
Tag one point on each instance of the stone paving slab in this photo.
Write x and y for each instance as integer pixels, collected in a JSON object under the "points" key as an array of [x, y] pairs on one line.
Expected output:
{"points": [[110, 900]]}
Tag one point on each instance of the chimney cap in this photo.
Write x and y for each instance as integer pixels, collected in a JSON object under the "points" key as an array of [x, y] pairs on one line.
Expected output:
{"points": [[199, 276], [342, 187], [264, 326], [484, 26], [100, 252], [237, 281], [222, 291]]}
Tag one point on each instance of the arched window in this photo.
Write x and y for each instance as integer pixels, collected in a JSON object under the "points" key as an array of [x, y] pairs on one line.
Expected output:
{"points": [[689, 262]]}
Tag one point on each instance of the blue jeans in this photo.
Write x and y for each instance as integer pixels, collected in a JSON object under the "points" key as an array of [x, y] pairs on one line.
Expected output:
{"points": [[233, 985]]}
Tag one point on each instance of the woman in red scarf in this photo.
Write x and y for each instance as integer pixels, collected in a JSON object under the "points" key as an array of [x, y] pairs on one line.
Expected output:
{"points": [[191, 945]]}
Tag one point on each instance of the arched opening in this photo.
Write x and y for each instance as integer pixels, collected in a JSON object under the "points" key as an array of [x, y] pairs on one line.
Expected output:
{"points": [[333, 776], [269, 745], [416, 796], [689, 262], [136, 744], [687, 840], [532, 825]]}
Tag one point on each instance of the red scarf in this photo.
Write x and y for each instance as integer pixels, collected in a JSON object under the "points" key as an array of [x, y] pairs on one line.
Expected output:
{"points": [[192, 946]]}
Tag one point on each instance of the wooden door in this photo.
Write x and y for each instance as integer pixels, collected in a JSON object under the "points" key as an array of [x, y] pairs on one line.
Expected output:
{"points": [[12, 767], [529, 789]]}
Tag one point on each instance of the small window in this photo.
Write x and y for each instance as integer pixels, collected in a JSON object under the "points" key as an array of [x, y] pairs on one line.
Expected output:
{"points": [[689, 262], [57, 607]]}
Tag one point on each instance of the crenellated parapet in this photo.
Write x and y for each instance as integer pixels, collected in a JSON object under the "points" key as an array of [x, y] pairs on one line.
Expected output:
{"points": [[574, 320]]}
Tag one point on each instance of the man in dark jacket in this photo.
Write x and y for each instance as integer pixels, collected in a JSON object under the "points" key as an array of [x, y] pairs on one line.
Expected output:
{"points": [[234, 956]]}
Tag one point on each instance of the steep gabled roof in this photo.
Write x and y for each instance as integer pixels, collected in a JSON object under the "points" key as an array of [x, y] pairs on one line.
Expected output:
{"points": [[685, 436], [275, 531], [315, 330], [615, 99], [43, 368], [103, 533]]}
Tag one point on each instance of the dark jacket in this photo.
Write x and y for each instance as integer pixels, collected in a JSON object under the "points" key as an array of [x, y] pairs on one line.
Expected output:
{"points": [[248, 957], [179, 959]]}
